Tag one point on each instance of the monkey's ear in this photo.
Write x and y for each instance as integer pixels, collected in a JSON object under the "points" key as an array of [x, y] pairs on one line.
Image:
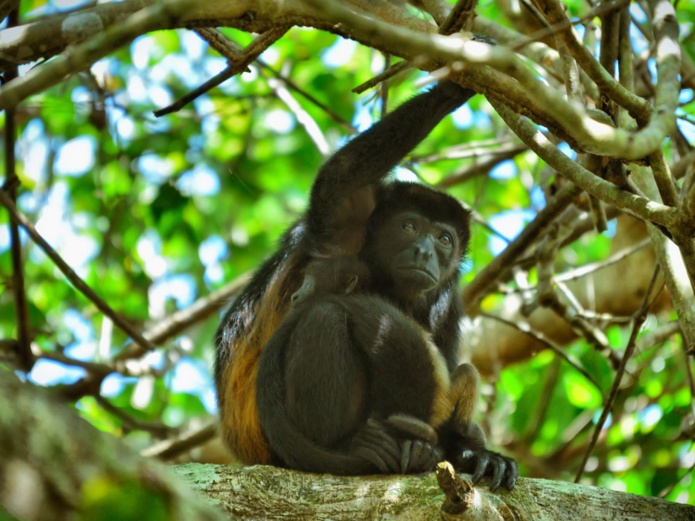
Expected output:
{"points": [[351, 282]]}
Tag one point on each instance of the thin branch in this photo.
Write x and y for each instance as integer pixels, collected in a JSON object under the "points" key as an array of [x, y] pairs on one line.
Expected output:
{"points": [[100, 370], [26, 360], [573, 316], [541, 409], [474, 292], [592, 267], [640, 317], [665, 492], [526, 328], [482, 167], [238, 64], [392, 71], [691, 382], [157, 429], [70, 274], [169, 449], [303, 117], [185, 318], [231, 50]]}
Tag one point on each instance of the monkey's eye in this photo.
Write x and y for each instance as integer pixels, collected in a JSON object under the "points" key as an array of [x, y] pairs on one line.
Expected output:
{"points": [[408, 227], [446, 240]]}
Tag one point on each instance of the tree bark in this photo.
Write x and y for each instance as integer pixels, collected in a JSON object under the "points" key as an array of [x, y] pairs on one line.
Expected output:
{"points": [[268, 493], [55, 466]]}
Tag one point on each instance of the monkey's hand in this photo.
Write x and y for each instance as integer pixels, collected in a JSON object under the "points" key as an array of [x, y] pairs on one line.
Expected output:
{"points": [[400, 444], [420, 450], [455, 91], [483, 462], [472, 457]]}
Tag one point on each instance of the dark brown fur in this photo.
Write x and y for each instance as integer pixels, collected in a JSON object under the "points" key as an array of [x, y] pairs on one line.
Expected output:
{"points": [[323, 360]]}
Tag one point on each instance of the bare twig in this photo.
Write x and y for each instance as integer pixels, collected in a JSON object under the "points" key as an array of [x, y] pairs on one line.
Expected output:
{"points": [[483, 167], [541, 409], [157, 429], [540, 337], [70, 274], [185, 318], [238, 64], [303, 117], [11, 182], [474, 292], [231, 51], [592, 267], [172, 448], [640, 317]]}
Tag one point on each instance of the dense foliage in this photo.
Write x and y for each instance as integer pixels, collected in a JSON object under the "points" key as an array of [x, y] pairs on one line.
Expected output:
{"points": [[154, 213]]}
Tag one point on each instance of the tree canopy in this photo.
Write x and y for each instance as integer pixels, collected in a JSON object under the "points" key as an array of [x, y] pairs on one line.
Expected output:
{"points": [[155, 151]]}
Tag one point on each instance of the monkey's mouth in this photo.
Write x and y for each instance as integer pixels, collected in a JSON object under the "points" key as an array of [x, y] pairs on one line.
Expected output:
{"points": [[419, 271]]}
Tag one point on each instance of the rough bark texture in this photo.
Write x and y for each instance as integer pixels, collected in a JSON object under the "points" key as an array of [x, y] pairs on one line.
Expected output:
{"points": [[269, 493], [54, 465]]}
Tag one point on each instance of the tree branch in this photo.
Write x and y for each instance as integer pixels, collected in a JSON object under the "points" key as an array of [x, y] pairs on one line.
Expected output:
{"points": [[99, 45], [635, 205], [268, 493], [70, 274]]}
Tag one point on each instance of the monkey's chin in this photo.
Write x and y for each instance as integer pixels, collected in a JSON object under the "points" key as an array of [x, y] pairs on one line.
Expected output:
{"points": [[417, 278]]}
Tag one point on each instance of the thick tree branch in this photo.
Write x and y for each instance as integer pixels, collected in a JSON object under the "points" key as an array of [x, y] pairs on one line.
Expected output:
{"points": [[55, 466], [99, 45], [268, 493], [633, 204], [593, 136], [411, 40]]}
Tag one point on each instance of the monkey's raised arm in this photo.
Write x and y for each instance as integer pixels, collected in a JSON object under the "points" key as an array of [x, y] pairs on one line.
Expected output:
{"points": [[342, 197]]}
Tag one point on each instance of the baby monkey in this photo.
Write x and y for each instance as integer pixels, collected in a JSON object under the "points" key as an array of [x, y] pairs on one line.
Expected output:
{"points": [[421, 446]]}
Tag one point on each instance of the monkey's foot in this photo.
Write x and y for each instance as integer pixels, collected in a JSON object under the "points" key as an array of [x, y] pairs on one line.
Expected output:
{"points": [[399, 445], [501, 469]]}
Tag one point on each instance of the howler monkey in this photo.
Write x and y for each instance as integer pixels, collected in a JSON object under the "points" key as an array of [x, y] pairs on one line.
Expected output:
{"points": [[349, 205]]}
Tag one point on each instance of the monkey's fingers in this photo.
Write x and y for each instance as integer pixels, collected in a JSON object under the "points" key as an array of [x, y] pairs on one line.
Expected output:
{"points": [[416, 453], [482, 463], [512, 474], [503, 470], [405, 456], [499, 468], [373, 457], [375, 445], [429, 457], [375, 433], [413, 427], [419, 456]]}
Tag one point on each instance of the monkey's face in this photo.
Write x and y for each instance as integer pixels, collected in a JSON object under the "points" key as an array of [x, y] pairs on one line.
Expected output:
{"points": [[416, 253]]}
